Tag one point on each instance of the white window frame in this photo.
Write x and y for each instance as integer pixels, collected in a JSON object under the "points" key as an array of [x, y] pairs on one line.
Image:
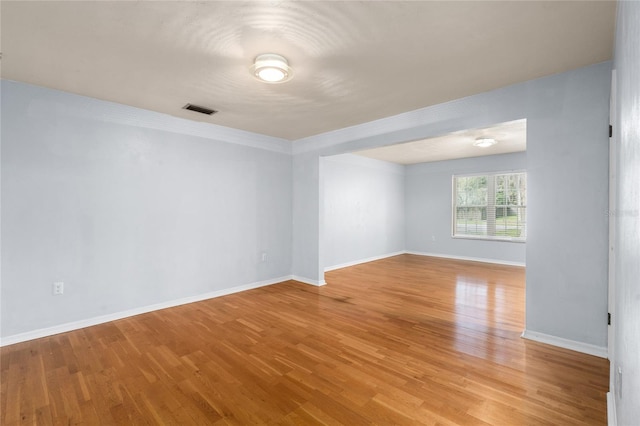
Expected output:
{"points": [[490, 208]]}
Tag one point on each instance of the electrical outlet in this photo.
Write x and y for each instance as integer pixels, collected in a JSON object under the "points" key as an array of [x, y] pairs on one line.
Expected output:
{"points": [[58, 288]]}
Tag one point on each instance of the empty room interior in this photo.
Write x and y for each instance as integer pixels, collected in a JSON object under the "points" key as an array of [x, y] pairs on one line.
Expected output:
{"points": [[280, 212]]}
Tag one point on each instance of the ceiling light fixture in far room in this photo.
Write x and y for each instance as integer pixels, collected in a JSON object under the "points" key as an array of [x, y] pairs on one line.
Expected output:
{"points": [[271, 68], [485, 142]]}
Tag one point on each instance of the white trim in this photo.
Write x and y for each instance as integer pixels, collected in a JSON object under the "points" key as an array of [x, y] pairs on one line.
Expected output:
{"points": [[472, 259], [76, 325], [504, 172], [500, 239], [612, 419], [613, 219], [309, 281], [585, 348], [358, 262]]}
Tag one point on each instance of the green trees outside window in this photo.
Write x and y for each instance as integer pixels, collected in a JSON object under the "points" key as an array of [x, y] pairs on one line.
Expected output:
{"points": [[492, 206]]}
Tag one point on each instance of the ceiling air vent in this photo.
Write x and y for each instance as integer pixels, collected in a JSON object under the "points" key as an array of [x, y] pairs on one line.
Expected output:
{"points": [[201, 110]]}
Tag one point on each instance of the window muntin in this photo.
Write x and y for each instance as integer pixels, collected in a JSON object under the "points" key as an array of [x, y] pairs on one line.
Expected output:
{"points": [[490, 206]]}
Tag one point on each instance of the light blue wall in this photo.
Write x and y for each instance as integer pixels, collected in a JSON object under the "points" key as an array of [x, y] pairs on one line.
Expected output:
{"points": [[429, 210], [567, 176], [132, 208], [127, 215], [363, 209], [626, 316], [567, 166], [307, 222]]}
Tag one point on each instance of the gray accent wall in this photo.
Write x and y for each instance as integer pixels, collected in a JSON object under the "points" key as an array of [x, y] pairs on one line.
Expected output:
{"points": [[363, 209], [567, 168], [429, 210], [626, 317], [125, 215]]}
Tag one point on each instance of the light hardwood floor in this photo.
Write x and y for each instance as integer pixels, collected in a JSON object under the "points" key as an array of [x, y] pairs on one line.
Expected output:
{"points": [[404, 340]]}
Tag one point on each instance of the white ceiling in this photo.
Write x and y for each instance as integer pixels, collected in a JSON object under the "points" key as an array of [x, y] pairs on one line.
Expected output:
{"points": [[510, 137], [353, 62]]}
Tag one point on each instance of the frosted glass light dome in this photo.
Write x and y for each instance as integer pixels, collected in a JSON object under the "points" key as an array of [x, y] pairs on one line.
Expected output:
{"points": [[271, 68], [485, 142]]}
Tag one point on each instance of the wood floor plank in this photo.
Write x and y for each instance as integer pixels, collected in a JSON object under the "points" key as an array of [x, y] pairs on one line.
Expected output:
{"points": [[404, 340]]}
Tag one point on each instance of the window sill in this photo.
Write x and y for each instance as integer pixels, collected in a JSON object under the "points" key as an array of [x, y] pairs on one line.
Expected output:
{"points": [[484, 238]]}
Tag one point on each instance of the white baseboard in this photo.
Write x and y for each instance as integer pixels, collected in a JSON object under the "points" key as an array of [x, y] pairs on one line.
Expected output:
{"points": [[611, 410], [472, 259], [358, 262], [309, 281], [75, 325], [585, 348]]}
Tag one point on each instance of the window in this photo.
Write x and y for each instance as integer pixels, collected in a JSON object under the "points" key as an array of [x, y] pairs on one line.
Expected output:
{"points": [[490, 206]]}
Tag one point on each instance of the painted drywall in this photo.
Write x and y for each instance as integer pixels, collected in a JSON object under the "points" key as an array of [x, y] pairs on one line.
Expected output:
{"points": [[567, 171], [126, 215], [567, 166], [626, 389], [307, 222], [363, 209], [85, 180], [429, 209]]}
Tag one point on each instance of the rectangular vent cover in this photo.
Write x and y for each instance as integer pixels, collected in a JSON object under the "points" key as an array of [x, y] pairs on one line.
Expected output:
{"points": [[200, 109]]}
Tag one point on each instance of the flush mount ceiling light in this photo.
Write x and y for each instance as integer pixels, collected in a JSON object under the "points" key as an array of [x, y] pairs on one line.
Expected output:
{"points": [[485, 142], [271, 68]]}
